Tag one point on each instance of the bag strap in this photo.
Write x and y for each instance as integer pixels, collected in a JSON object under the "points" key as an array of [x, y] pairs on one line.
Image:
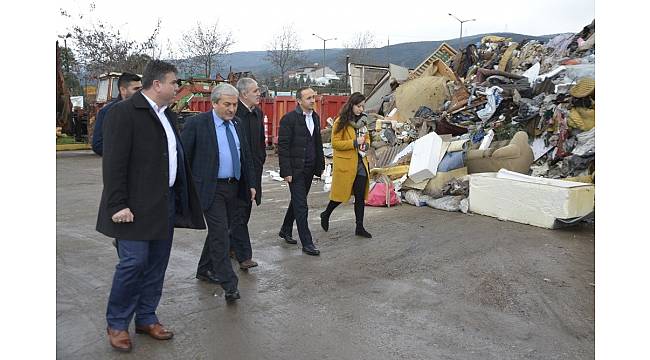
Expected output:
{"points": [[386, 181]]}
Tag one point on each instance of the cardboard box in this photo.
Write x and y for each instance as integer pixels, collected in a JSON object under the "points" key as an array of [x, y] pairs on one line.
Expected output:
{"points": [[529, 200]]}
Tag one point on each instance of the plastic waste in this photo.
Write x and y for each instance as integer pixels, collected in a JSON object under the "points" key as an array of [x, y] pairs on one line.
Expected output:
{"points": [[447, 203], [416, 198]]}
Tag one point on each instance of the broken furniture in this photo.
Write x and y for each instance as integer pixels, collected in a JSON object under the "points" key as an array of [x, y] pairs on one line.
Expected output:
{"points": [[516, 156]]}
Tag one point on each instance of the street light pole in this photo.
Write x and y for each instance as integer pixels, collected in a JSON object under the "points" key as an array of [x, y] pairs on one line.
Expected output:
{"points": [[324, 41], [461, 29]]}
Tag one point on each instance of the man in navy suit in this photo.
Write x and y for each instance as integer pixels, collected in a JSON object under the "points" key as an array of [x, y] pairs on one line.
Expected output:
{"points": [[300, 153], [128, 84], [148, 191], [222, 168]]}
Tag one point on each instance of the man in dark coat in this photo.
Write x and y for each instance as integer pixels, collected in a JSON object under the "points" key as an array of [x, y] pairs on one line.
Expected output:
{"points": [[128, 84], [252, 125], [300, 153], [148, 190], [223, 174]]}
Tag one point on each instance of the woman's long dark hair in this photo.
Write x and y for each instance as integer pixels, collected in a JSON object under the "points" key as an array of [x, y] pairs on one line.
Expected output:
{"points": [[346, 114]]}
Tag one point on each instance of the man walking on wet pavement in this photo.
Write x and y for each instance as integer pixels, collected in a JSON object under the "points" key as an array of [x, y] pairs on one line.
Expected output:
{"points": [[218, 155], [148, 190], [252, 126], [300, 153], [128, 84]]}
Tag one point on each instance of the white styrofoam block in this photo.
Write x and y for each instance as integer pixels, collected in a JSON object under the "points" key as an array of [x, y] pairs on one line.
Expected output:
{"points": [[528, 202], [425, 158], [511, 175]]}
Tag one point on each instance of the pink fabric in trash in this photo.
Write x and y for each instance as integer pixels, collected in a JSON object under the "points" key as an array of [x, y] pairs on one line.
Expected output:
{"points": [[377, 195]]}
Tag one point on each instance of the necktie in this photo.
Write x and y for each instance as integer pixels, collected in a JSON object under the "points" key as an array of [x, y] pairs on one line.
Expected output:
{"points": [[233, 150]]}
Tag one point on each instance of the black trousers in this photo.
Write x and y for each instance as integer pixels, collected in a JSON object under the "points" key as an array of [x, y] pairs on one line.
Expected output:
{"points": [[240, 240], [215, 250], [299, 187], [359, 191]]}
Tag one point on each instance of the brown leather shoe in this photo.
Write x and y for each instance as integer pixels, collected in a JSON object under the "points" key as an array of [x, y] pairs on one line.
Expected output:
{"points": [[119, 339], [156, 331], [247, 264]]}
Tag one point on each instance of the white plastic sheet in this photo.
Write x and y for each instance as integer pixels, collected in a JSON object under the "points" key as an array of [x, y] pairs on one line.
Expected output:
{"points": [[586, 143], [446, 203], [532, 73], [576, 72], [275, 175], [494, 99], [416, 198]]}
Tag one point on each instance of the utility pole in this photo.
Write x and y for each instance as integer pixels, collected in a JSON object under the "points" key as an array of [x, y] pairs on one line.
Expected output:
{"points": [[388, 51], [324, 41], [347, 72], [461, 29]]}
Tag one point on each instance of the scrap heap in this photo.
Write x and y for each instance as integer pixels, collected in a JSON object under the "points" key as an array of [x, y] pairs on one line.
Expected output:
{"points": [[527, 107]]}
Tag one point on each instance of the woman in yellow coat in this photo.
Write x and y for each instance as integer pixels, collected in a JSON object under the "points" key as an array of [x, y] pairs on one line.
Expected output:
{"points": [[350, 168]]}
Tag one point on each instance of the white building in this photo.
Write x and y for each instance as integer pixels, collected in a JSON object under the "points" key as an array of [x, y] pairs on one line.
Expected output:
{"points": [[315, 74]]}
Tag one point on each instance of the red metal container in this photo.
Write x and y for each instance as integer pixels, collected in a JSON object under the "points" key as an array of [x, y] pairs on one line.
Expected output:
{"points": [[281, 105], [326, 106], [274, 108], [200, 104], [266, 105], [330, 105]]}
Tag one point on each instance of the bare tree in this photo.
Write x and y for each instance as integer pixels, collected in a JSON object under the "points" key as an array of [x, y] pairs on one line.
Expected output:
{"points": [[100, 48], [358, 46], [186, 67], [205, 46], [283, 52]]}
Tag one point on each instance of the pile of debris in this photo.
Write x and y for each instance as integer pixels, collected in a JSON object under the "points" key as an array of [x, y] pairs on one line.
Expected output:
{"points": [[526, 107]]}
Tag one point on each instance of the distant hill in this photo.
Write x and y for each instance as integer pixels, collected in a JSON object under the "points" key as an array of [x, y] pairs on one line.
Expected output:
{"points": [[406, 54]]}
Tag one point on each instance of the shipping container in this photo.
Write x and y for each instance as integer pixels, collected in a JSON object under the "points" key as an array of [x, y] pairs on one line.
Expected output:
{"points": [[326, 106]]}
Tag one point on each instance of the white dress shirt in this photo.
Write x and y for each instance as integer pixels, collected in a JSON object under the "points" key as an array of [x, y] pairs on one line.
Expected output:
{"points": [[310, 121], [171, 139]]}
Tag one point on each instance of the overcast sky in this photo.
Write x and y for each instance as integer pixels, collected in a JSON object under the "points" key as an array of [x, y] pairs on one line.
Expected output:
{"points": [[254, 22]]}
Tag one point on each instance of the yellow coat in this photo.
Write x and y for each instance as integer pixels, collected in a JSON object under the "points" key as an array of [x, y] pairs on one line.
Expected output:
{"points": [[345, 160]]}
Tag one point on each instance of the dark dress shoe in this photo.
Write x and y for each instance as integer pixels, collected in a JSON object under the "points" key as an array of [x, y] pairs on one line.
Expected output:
{"points": [[310, 250], [208, 276], [360, 231], [119, 339], [156, 331], [324, 221], [247, 264], [232, 296], [287, 238]]}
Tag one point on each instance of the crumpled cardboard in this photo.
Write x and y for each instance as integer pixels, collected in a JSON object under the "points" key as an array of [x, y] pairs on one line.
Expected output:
{"points": [[429, 91]]}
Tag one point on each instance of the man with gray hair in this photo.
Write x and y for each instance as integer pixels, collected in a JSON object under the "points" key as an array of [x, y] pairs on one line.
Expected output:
{"points": [[218, 155], [252, 125]]}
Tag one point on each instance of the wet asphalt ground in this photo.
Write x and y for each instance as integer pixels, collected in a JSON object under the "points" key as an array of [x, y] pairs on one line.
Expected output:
{"points": [[429, 285]]}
